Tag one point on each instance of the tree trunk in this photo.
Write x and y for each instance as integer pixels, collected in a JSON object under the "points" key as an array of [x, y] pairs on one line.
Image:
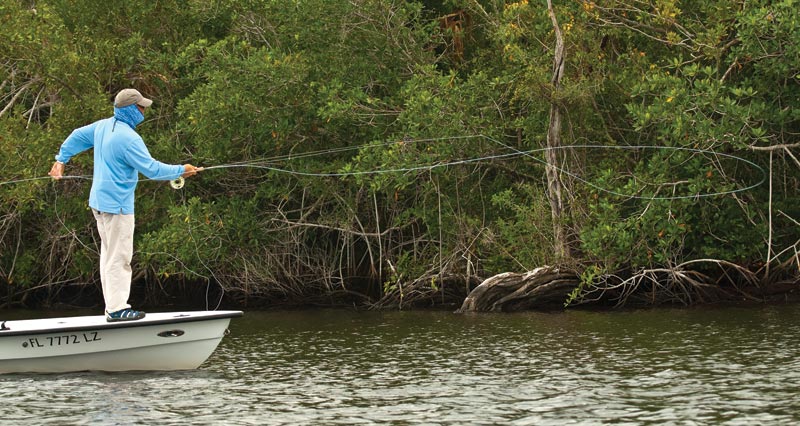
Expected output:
{"points": [[554, 185]]}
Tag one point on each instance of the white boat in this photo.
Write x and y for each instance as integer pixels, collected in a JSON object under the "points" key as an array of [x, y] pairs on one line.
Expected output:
{"points": [[160, 341]]}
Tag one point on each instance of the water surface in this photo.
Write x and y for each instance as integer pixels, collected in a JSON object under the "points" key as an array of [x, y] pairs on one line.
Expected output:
{"points": [[733, 365]]}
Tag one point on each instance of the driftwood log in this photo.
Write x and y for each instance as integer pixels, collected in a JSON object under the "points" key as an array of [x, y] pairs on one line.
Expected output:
{"points": [[690, 283], [542, 288]]}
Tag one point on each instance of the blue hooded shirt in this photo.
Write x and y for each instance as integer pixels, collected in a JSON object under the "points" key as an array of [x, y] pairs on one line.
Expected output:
{"points": [[119, 156]]}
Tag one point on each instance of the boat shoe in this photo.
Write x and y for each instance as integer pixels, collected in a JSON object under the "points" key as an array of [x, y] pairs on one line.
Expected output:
{"points": [[124, 315]]}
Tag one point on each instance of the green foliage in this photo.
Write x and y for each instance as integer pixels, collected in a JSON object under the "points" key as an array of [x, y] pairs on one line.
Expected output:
{"points": [[192, 242], [522, 239], [588, 278], [709, 102], [354, 88]]}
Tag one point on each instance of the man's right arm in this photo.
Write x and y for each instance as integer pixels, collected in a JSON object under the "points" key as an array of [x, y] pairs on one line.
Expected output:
{"points": [[78, 141]]}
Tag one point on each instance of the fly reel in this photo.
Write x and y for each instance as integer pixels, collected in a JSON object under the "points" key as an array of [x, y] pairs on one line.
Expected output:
{"points": [[177, 183]]}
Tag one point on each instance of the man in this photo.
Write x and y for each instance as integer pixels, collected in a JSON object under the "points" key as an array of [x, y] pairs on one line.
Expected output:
{"points": [[119, 156]]}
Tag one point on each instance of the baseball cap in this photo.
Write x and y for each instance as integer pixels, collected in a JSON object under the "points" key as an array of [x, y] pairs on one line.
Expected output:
{"points": [[127, 97]]}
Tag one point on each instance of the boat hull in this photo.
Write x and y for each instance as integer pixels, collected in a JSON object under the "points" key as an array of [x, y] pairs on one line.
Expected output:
{"points": [[161, 341]]}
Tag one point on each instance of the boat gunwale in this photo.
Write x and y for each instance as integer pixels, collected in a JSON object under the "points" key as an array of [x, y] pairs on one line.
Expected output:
{"points": [[123, 324]]}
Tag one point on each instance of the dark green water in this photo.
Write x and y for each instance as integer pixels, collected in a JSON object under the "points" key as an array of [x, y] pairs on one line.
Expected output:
{"points": [[736, 366]]}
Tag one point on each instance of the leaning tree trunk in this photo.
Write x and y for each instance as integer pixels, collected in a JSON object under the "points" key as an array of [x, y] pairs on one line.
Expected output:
{"points": [[554, 185]]}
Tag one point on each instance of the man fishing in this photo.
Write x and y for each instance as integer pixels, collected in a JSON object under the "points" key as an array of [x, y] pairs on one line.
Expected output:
{"points": [[119, 156]]}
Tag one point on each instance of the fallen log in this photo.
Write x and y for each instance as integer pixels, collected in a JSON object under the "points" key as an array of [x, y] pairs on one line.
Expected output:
{"points": [[542, 288]]}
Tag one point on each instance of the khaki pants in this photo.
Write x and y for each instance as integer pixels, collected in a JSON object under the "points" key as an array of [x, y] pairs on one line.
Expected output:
{"points": [[116, 251]]}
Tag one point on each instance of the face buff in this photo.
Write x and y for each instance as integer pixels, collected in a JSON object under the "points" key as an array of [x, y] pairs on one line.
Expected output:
{"points": [[129, 115]]}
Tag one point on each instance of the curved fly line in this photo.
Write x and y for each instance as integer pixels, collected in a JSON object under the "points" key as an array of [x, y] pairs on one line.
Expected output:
{"points": [[274, 164]]}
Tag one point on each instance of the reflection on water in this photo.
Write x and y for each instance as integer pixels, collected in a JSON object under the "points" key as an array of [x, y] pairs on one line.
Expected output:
{"points": [[699, 366]]}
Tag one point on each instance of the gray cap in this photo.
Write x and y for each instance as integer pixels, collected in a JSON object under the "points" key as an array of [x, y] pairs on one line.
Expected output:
{"points": [[127, 97]]}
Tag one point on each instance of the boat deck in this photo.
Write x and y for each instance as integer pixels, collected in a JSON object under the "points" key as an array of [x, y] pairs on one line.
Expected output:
{"points": [[98, 322]]}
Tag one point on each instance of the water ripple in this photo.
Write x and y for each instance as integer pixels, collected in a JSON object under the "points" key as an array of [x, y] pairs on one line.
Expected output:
{"points": [[730, 366]]}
